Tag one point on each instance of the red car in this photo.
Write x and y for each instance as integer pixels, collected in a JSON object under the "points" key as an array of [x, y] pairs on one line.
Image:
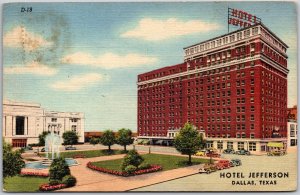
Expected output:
{"points": [[223, 164], [213, 155]]}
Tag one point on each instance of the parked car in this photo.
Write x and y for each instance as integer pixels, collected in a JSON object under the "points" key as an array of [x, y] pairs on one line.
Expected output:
{"points": [[26, 148], [223, 164], [213, 155], [201, 153], [235, 162], [70, 148], [228, 151], [242, 152], [276, 153], [208, 168], [43, 150]]}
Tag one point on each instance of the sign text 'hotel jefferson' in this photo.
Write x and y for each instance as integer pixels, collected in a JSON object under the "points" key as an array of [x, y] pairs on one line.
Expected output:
{"points": [[233, 88]]}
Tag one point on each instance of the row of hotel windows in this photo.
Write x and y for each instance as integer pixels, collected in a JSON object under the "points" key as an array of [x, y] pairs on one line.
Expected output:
{"points": [[222, 41], [209, 72], [241, 145]]}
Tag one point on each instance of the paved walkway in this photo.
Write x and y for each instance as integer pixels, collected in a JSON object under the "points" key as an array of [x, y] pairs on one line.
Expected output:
{"points": [[89, 180]]}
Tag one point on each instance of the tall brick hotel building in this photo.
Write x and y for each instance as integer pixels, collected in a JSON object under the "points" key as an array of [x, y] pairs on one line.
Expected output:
{"points": [[233, 88]]}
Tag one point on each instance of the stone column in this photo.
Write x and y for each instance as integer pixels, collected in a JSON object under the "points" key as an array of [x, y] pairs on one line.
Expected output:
{"points": [[13, 125]]}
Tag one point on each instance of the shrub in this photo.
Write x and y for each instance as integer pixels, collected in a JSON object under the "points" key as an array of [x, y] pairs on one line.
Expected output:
{"points": [[130, 169], [54, 182], [132, 158], [58, 169], [144, 166], [69, 180]]}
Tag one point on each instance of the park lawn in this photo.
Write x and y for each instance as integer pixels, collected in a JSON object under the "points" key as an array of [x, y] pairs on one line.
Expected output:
{"points": [[24, 183], [89, 153], [168, 162]]}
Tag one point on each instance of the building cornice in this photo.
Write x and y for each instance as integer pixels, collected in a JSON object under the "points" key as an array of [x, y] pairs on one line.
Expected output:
{"points": [[221, 65]]}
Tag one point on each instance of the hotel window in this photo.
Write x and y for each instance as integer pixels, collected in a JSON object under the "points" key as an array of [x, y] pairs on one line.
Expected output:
{"points": [[229, 144], [54, 120], [241, 145], [252, 126], [252, 100], [252, 146], [252, 135], [220, 145], [252, 117], [252, 90]]}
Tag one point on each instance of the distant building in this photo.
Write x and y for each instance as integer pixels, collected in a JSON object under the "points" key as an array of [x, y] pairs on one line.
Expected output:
{"points": [[22, 122], [292, 113], [97, 134], [233, 87], [292, 133], [292, 126]]}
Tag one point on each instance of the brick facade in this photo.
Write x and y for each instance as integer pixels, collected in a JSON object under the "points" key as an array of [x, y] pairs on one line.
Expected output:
{"points": [[232, 86]]}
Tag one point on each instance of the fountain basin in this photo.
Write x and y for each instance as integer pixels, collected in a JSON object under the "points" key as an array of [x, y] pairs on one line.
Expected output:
{"points": [[40, 165]]}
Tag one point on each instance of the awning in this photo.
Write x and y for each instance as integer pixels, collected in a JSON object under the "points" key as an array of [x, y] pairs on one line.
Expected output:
{"points": [[275, 144]]}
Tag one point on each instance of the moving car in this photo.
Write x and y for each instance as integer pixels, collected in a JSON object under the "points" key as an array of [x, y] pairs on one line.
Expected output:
{"points": [[228, 151], [242, 152], [235, 162], [70, 148], [208, 168]]}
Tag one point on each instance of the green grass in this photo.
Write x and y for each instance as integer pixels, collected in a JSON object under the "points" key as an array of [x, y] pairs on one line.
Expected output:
{"points": [[168, 162], [89, 153], [24, 183]]}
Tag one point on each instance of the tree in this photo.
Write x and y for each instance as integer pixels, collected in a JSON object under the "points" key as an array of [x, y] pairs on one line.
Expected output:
{"points": [[12, 161], [108, 139], [42, 138], [58, 169], [124, 137], [94, 140], [132, 158], [70, 138], [188, 141]]}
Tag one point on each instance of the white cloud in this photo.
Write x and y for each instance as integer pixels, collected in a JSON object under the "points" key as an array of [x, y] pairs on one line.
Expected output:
{"points": [[156, 30], [19, 37], [79, 82], [108, 60], [31, 68]]}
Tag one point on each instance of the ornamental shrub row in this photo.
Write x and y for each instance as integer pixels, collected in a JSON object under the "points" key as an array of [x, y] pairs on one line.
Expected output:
{"points": [[152, 168]]}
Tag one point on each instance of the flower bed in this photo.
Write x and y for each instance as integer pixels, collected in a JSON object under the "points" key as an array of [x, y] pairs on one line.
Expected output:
{"points": [[37, 174], [153, 168], [48, 187]]}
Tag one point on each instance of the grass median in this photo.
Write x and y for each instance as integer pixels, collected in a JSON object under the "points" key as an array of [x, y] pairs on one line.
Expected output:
{"points": [[24, 183], [168, 162]]}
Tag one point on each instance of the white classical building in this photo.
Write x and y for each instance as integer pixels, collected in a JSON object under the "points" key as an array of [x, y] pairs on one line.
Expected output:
{"points": [[22, 122]]}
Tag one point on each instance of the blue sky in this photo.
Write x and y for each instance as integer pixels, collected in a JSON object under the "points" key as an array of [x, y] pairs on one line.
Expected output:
{"points": [[85, 57]]}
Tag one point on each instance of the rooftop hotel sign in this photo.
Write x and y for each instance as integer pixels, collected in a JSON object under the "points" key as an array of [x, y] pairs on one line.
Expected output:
{"points": [[241, 18]]}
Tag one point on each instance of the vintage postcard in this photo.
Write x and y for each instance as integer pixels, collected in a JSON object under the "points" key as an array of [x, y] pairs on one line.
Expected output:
{"points": [[149, 96]]}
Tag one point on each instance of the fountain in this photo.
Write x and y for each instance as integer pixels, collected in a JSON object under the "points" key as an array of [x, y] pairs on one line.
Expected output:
{"points": [[52, 145]]}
